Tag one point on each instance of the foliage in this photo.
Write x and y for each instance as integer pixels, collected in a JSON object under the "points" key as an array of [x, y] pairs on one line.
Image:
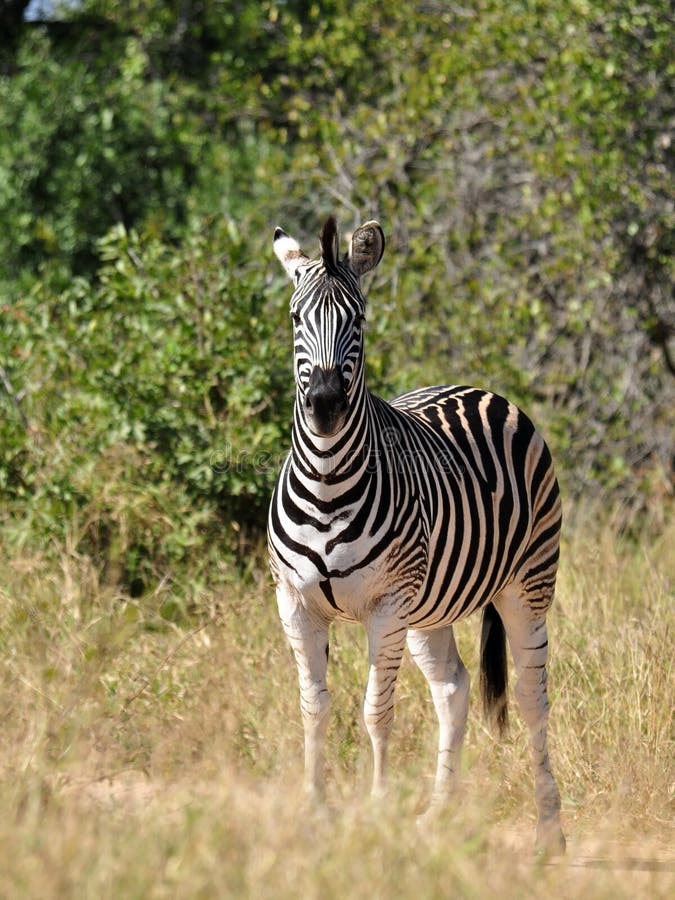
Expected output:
{"points": [[518, 157], [92, 138], [177, 398]]}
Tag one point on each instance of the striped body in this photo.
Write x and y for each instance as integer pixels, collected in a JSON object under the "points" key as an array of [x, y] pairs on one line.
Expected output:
{"points": [[438, 502], [406, 517]]}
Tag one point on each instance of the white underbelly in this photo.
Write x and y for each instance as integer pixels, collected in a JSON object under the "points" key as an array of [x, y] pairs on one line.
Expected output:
{"points": [[346, 587]]}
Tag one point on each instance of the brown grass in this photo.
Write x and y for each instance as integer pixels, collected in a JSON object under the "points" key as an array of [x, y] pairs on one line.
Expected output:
{"points": [[143, 759]]}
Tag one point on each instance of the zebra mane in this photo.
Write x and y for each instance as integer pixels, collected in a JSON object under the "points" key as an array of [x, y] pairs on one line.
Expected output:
{"points": [[330, 245]]}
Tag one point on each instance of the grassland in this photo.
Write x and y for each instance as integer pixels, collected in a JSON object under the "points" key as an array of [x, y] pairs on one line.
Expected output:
{"points": [[141, 758]]}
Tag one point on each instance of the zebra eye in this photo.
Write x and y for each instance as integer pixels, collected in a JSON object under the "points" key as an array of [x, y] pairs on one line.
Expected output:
{"points": [[295, 318], [360, 323]]}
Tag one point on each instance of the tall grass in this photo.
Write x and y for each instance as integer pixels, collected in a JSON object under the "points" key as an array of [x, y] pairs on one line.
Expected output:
{"points": [[145, 757]]}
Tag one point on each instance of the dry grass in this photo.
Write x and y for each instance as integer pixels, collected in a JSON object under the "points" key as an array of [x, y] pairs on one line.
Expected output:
{"points": [[140, 759]]}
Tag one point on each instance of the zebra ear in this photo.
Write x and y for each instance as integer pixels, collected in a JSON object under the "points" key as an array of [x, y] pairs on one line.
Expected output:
{"points": [[288, 252], [330, 245], [366, 248]]}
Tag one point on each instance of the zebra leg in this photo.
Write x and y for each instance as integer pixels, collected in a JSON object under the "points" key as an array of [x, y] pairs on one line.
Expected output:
{"points": [[435, 652], [309, 641], [528, 639], [386, 641]]}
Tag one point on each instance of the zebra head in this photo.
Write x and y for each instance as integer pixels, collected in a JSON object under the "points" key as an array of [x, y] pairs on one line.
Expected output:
{"points": [[328, 312]]}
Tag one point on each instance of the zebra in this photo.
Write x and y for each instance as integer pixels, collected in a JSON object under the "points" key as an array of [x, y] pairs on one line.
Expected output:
{"points": [[407, 516]]}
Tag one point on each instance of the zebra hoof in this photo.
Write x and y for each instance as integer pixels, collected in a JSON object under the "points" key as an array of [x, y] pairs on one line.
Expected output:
{"points": [[431, 815], [550, 840], [425, 819], [313, 798]]}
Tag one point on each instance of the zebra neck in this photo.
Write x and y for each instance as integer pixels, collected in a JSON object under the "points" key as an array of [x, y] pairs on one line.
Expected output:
{"points": [[332, 461]]}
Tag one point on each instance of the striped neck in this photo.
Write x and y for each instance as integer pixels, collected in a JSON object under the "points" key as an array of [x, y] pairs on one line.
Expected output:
{"points": [[336, 458]]}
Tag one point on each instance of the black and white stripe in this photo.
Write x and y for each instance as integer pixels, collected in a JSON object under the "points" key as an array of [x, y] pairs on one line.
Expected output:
{"points": [[408, 516]]}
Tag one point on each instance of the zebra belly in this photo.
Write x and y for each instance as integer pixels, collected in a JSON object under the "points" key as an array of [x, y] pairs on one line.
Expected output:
{"points": [[349, 589]]}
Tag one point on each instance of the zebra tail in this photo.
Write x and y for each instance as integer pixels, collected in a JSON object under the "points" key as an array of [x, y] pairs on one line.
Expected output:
{"points": [[494, 675]]}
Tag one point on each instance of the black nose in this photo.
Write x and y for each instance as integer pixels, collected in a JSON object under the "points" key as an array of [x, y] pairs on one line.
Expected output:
{"points": [[326, 399]]}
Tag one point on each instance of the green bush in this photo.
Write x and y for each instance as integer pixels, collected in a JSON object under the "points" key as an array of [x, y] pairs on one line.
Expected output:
{"points": [[517, 156], [167, 381], [91, 138]]}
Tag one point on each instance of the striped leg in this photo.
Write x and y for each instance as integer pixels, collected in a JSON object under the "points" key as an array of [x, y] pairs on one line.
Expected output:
{"points": [[386, 641], [435, 652], [528, 639], [309, 641]]}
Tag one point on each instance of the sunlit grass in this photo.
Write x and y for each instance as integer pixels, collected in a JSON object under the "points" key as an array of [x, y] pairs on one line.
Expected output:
{"points": [[144, 758]]}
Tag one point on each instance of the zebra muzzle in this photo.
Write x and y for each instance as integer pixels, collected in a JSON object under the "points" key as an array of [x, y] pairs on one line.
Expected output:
{"points": [[326, 404]]}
